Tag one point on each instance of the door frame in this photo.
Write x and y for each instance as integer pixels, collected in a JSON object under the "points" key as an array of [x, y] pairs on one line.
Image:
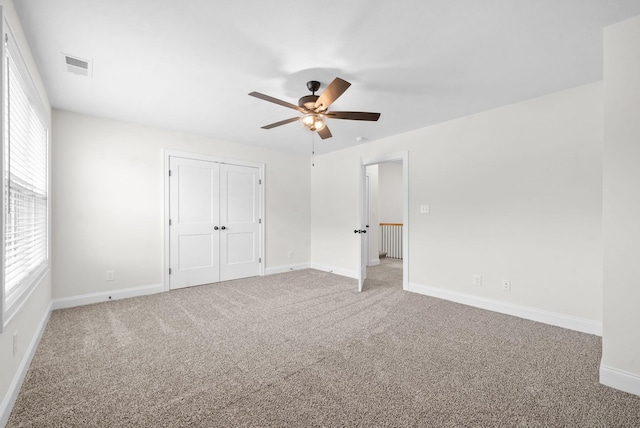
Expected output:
{"points": [[166, 155], [367, 215], [362, 168]]}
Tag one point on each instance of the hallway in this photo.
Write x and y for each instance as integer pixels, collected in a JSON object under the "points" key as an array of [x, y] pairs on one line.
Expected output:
{"points": [[387, 274]]}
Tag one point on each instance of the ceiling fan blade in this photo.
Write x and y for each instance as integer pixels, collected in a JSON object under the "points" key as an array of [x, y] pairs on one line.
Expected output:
{"points": [[282, 122], [353, 115], [324, 133], [277, 101], [331, 93]]}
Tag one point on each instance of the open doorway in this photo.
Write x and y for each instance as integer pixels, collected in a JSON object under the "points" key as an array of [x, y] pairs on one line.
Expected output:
{"points": [[383, 202], [383, 212]]}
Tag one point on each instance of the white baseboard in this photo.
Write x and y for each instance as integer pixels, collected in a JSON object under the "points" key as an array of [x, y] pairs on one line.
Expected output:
{"points": [[374, 262], [620, 379], [105, 296], [337, 271], [287, 268], [14, 389], [553, 318]]}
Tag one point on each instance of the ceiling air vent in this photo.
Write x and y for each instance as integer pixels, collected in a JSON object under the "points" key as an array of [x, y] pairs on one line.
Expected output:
{"points": [[77, 65]]}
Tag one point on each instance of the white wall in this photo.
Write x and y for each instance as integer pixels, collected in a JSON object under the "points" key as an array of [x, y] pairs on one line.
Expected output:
{"points": [[28, 321], [390, 176], [621, 216], [108, 211], [515, 193]]}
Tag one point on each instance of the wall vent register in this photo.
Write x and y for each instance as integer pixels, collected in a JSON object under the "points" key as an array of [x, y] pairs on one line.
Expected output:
{"points": [[77, 65]]}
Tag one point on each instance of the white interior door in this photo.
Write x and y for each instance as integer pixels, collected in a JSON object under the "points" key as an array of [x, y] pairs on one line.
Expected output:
{"points": [[239, 222], [194, 217]]}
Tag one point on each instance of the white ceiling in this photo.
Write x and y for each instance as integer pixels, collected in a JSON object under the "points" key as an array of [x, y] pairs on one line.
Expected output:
{"points": [[189, 65]]}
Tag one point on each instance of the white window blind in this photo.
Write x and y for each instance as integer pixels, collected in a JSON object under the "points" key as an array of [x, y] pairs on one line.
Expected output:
{"points": [[25, 178]]}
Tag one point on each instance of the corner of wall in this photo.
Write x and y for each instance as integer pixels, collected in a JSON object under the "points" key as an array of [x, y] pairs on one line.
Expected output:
{"points": [[620, 379], [620, 367]]}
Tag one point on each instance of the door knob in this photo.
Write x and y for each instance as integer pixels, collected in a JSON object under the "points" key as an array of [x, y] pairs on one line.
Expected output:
{"points": [[223, 227], [215, 227], [363, 231], [356, 231]]}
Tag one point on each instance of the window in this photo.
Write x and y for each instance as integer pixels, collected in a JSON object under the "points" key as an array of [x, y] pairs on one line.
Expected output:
{"points": [[25, 136]]}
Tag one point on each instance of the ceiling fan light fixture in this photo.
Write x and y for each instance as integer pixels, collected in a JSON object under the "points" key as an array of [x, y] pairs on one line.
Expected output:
{"points": [[313, 122]]}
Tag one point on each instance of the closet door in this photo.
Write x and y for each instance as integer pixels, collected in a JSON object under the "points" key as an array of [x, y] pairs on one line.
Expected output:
{"points": [[194, 216], [240, 222]]}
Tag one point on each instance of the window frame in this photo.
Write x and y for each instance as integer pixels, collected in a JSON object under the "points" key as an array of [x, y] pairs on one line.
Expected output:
{"points": [[11, 303]]}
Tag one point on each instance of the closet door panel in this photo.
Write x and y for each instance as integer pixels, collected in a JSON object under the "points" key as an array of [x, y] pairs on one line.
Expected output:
{"points": [[194, 214], [240, 216]]}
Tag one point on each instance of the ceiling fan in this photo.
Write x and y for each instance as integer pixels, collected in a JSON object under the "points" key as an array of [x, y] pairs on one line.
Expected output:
{"points": [[315, 108]]}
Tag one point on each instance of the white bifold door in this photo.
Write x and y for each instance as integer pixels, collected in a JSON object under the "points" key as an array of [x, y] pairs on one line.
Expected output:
{"points": [[214, 212]]}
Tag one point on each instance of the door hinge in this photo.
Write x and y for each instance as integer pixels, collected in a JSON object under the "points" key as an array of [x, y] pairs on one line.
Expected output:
{"points": [[169, 173], [260, 260], [259, 221], [169, 271], [169, 222], [260, 181]]}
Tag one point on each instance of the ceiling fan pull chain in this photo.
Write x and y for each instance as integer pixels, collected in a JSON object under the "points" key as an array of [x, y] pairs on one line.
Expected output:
{"points": [[313, 149]]}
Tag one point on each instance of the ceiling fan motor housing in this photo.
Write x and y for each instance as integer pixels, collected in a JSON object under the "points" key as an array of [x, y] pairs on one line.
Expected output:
{"points": [[308, 101]]}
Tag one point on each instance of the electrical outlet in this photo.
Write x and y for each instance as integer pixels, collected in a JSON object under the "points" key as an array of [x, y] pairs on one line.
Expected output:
{"points": [[108, 275], [506, 285], [477, 280], [15, 343]]}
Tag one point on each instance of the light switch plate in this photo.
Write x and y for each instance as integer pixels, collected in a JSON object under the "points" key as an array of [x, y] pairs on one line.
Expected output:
{"points": [[424, 209]]}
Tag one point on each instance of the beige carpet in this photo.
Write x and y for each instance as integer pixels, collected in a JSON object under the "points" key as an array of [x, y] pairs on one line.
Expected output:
{"points": [[305, 349]]}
